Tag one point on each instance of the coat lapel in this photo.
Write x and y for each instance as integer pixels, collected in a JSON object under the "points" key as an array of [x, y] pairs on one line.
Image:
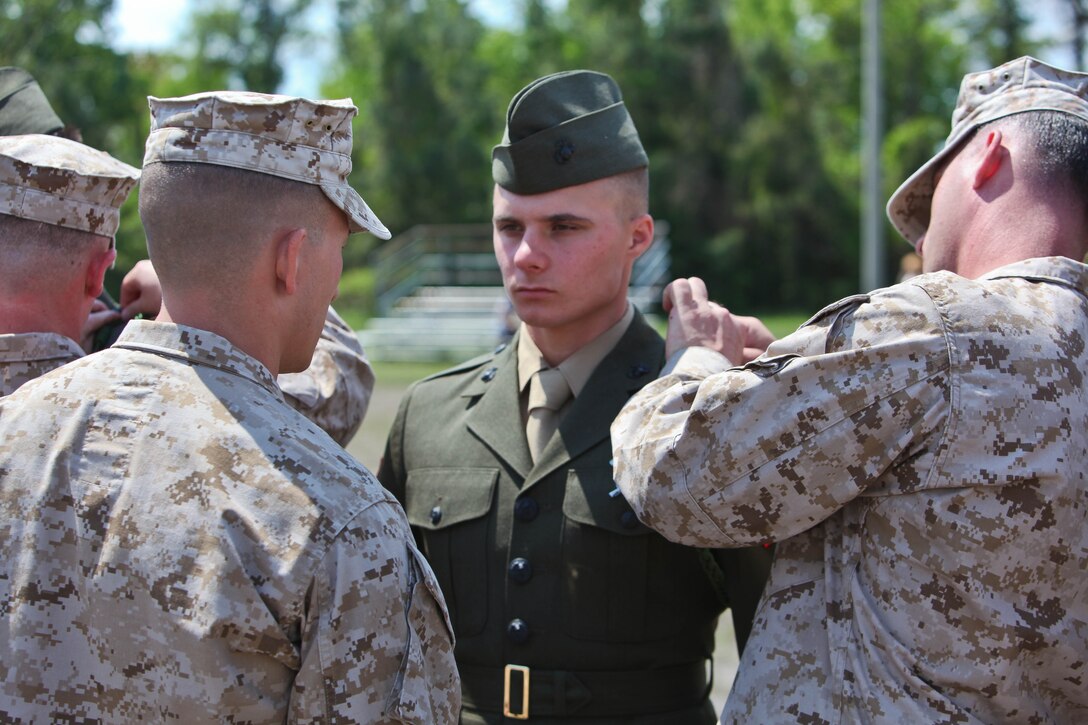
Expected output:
{"points": [[634, 362], [496, 417]]}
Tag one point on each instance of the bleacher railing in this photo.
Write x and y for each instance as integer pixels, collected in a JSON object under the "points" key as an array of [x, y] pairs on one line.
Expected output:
{"points": [[462, 255]]}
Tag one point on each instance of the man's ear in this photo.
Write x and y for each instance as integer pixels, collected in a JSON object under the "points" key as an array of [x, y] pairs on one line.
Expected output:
{"points": [[96, 271], [990, 160], [288, 251], [642, 234]]}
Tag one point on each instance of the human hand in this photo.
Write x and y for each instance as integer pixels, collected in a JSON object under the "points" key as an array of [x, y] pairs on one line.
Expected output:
{"points": [[101, 315], [755, 337], [141, 292], [696, 321]]}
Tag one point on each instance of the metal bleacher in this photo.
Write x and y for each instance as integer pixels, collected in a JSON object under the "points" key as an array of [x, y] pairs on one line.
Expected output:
{"points": [[440, 296]]}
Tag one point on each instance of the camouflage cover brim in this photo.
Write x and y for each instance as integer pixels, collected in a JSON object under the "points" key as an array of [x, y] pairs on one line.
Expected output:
{"points": [[307, 164], [908, 207], [360, 216], [64, 183], [1019, 86]]}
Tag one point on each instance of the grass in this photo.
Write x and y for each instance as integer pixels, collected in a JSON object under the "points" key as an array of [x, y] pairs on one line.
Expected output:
{"points": [[783, 323]]}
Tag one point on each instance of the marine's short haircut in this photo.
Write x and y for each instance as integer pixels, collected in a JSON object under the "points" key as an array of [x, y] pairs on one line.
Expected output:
{"points": [[203, 221], [35, 254], [634, 185], [1059, 149]]}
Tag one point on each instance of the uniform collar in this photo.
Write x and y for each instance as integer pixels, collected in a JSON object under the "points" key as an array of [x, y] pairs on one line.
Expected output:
{"points": [[577, 368], [1060, 270], [198, 347], [24, 346]]}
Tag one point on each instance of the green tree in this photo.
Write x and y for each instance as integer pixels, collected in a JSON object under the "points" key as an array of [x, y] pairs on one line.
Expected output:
{"points": [[240, 43], [426, 109], [96, 89]]}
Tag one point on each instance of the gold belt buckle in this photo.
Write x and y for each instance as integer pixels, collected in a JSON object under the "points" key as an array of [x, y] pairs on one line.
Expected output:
{"points": [[524, 714]]}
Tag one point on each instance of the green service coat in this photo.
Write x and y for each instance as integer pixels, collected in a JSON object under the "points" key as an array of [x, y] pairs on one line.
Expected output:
{"points": [[541, 567]]}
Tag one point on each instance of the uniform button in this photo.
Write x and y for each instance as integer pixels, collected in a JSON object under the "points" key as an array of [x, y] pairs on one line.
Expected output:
{"points": [[526, 509], [564, 149], [521, 570], [517, 631], [488, 375], [628, 520], [436, 515]]}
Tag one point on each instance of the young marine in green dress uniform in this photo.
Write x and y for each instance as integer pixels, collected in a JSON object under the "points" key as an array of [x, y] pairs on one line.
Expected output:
{"points": [[565, 607]]}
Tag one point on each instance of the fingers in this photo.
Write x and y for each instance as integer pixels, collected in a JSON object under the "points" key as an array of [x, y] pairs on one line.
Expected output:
{"points": [[141, 291], [97, 319], [100, 316], [684, 293], [755, 332]]}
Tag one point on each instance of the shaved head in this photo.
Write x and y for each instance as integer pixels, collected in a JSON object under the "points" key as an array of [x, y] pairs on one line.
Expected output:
{"points": [[36, 257], [204, 222]]}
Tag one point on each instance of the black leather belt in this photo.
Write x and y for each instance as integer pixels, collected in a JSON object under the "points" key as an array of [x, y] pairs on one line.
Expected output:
{"points": [[587, 693]]}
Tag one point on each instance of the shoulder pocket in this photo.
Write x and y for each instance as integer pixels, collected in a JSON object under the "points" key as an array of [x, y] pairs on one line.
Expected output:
{"points": [[427, 688], [837, 308]]}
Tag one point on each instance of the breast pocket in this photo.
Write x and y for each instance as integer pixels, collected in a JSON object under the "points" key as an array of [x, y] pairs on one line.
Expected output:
{"points": [[448, 509], [606, 555]]}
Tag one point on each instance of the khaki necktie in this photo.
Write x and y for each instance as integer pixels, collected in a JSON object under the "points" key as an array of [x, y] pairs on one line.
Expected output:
{"points": [[547, 393]]}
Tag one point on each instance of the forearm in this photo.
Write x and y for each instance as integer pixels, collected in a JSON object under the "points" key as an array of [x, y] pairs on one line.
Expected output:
{"points": [[760, 453]]}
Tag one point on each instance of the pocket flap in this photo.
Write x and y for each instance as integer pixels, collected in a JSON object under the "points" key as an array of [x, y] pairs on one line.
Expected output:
{"points": [[441, 497], [587, 501]]}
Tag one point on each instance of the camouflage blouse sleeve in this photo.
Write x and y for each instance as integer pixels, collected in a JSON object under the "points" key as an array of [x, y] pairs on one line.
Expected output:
{"points": [[710, 455], [334, 391], [377, 644]]}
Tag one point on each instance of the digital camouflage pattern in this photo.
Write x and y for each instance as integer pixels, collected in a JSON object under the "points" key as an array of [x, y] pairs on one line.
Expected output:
{"points": [[180, 544], [64, 183], [29, 355], [1024, 84], [334, 391], [293, 138], [919, 454]]}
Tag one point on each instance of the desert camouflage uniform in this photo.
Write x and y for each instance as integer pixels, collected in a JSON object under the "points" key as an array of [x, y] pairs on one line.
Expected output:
{"points": [[28, 355], [179, 544], [333, 392], [920, 455]]}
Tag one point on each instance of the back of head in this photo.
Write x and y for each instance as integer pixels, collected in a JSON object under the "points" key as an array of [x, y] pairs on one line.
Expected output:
{"points": [[59, 202], [225, 169], [1050, 104], [1057, 162], [567, 129], [38, 259], [205, 222]]}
